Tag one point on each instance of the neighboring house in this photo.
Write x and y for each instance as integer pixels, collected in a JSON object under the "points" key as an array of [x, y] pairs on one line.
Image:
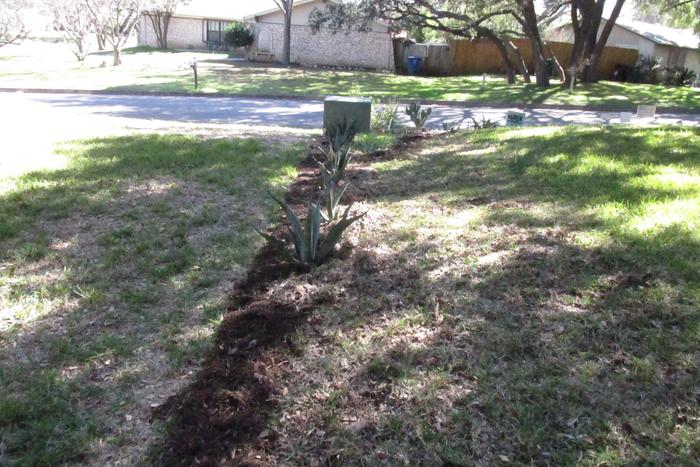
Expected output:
{"points": [[193, 26], [675, 47], [371, 49]]}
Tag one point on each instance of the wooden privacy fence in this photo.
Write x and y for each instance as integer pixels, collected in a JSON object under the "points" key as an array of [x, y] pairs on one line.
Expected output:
{"points": [[464, 57], [437, 60]]}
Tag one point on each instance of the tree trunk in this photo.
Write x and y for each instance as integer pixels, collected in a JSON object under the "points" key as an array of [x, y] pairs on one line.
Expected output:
{"points": [[590, 73], [520, 61], [160, 20], [581, 28], [166, 27], [286, 50], [100, 42], [533, 33], [559, 68], [502, 49], [80, 49], [117, 56]]}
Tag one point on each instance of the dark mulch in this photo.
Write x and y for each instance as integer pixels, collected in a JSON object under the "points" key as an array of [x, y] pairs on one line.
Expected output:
{"points": [[221, 418]]}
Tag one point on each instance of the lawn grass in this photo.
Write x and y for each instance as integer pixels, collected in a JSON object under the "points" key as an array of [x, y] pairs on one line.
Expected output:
{"points": [[152, 70], [526, 296], [114, 272]]}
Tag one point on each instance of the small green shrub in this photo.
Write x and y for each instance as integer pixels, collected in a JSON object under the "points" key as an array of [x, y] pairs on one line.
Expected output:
{"points": [[386, 118], [418, 116], [373, 142], [311, 248], [484, 124], [451, 126], [682, 77], [238, 35]]}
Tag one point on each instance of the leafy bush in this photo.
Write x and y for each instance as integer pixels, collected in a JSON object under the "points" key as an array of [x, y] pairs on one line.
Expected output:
{"points": [[682, 77], [418, 116], [311, 247], [373, 142], [238, 35], [647, 70]]}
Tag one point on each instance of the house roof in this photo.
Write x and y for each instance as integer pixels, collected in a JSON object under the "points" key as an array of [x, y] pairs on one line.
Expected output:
{"points": [[662, 35], [220, 9], [273, 9]]}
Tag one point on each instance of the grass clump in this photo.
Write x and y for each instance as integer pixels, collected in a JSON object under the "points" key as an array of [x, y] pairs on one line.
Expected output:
{"points": [[113, 277]]}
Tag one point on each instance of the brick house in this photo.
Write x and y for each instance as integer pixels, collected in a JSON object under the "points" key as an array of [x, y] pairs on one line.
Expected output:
{"points": [[193, 25], [372, 49], [201, 22]]}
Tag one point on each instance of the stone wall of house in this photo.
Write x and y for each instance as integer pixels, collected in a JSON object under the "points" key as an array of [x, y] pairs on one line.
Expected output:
{"points": [[371, 50], [183, 33]]}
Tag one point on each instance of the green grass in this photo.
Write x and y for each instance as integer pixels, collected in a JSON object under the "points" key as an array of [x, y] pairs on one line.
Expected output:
{"points": [[526, 296], [372, 142], [147, 69], [114, 272]]}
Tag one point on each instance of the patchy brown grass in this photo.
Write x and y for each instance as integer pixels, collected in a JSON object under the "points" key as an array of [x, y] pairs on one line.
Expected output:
{"points": [[115, 271], [487, 314]]}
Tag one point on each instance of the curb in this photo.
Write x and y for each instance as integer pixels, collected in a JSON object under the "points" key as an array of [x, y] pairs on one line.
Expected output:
{"points": [[460, 104]]}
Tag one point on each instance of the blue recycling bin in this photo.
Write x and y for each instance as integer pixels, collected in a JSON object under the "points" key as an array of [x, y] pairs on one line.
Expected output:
{"points": [[414, 65]]}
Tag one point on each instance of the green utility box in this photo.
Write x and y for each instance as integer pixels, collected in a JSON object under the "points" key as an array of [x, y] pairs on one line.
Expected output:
{"points": [[339, 109]]}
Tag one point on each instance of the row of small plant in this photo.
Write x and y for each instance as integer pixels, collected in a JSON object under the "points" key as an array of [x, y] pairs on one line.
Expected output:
{"points": [[316, 237], [471, 124], [386, 118]]}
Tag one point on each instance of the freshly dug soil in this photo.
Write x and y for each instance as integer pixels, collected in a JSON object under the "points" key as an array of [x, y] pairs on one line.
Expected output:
{"points": [[222, 417]]}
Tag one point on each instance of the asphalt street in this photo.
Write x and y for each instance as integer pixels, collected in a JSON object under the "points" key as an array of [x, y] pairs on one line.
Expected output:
{"points": [[108, 109]]}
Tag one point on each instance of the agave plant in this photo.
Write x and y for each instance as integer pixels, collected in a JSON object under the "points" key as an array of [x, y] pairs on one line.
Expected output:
{"points": [[332, 194], [484, 124], [418, 116], [311, 248], [451, 126], [338, 155], [341, 135]]}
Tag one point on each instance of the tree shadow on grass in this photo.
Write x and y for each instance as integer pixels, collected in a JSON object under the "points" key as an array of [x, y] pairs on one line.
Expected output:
{"points": [[627, 171], [509, 342], [558, 354], [545, 351], [112, 272]]}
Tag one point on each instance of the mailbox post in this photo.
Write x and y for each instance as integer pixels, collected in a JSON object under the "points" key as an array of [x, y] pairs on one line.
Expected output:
{"points": [[193, 65]]}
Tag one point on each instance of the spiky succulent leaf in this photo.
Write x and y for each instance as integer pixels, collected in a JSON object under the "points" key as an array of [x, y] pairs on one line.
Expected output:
{"points": [[335, 234], [342, 135], [313, 232], [297, 232], [333, 195]]}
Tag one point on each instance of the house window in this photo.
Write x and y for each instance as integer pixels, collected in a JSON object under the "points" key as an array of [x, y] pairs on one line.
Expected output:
{"points": [[214, 31]]}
